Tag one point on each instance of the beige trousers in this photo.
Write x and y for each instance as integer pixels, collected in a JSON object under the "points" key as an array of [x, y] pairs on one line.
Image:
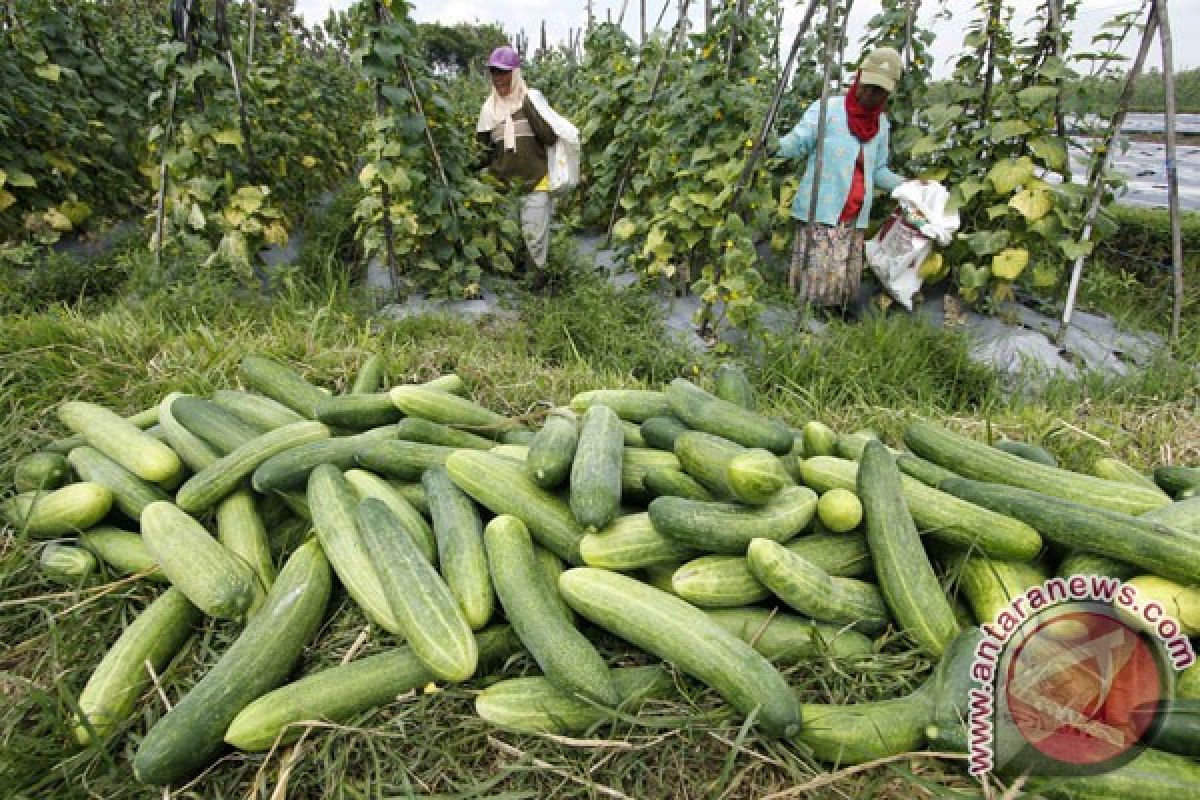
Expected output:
{"points": [[536, 209]]}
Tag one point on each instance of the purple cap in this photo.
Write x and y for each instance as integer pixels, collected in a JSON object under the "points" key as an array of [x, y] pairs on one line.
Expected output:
{"points": [[504, 58]]}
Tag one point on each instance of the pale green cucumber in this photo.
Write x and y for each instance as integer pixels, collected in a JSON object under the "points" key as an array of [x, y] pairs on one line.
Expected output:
{"points": [[367, 484], [630, 542], [596, 469], [123, 442], [241, 531], [461, 555], [58, 512], [728, 528], [785, 638]]}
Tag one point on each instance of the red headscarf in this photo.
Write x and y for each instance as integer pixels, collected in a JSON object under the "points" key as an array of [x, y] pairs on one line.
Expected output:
{"points": [[863, 122]]}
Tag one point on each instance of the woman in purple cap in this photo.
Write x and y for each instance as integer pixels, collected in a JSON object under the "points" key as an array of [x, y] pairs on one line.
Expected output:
{"points": [[516, 138]]}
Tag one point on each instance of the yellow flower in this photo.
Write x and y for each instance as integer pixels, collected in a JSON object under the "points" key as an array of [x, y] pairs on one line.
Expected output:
{"points": [[749, 143], [753, 80]]}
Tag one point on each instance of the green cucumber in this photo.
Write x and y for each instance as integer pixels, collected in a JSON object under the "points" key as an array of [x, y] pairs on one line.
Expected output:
{"points": [[433, 624], [448, 409], [727, 528], [667, 482], [1081, 562], [1115, 470], [461, 555], [814, 592], [450, 383], [503, 487], [123, 442], [414, 493], [731, 384], [191, 735], [282, 384], [755, 476], [634, 405], [683, 635], [1176, 480], [596, 469], [705, 412], [219, 427], [332, 502], [415, 429], [788, 639], [1183, 515], [194, 451], [551, 566], [59, 512], [718, 582], [142, 420], [661, 432], [289, 469], [41, 471], [630, 542], [358, 412], [261, 412], [1154, 547], [637, 462], [944, 517], [124, 551], [977, 461], [518, 435], [566, 657], [340, 693], [112, 691], [130, 493], [850, 445], [861, 732], [990, 586], [215, 580], [1027, 451], [552, 450], [241, 531], [905, 576], [369, 377], [208, 486], [367, 484], [65, 563], [1151, 775], [819, 439], [926, 472], [707, 458], [407, 461], [632, 434], [537, 705]]}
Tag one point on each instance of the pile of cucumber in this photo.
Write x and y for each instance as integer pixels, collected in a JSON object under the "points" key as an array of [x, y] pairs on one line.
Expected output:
{"points": [[722, 543]]}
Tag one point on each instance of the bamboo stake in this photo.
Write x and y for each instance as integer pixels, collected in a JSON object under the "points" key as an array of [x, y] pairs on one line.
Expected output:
{"points": [[910, 13], [433, 151], [160, 215], [226, 43], [1096, 175], [250, 39], [1168, 67], [993, 29], [819, 155], [642, 7], [385, 194], [845, 34], [1060, 122]]}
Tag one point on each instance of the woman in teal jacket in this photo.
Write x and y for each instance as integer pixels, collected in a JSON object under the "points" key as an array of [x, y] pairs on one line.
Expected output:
{"points": [[854, 165]]}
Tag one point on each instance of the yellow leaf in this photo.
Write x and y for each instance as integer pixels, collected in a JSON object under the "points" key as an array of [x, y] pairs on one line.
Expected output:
{"points": [[367, 176], [308, 161], [933, 267], [58, 220], [196, 218], [6, 200], [234, 217], [61, 164], [1032, 203], [275, 233], [75, 210], [232, 137], [3, 177], [1009, 264], [624, 229], [249, 198], [50, 72]]}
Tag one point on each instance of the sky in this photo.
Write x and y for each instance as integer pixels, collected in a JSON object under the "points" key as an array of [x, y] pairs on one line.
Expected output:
{"points": [[562, 15]]}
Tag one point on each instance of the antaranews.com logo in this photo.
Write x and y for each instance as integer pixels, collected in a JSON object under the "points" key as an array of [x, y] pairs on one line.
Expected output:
{"points": [[1072, 678]]}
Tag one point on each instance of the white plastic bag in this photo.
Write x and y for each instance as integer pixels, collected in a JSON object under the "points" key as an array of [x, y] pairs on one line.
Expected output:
{"points": [[906, 239], [563, 156]]}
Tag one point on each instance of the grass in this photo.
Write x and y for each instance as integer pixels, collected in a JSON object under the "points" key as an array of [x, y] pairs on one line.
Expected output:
{"points": [[128, 351]]}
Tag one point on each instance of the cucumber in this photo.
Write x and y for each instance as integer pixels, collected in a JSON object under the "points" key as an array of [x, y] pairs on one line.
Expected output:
{"points": [[861, 732], [944, 517], [368, 484], [1081, 562], [123, 442], [66, 564], [718, 582], [636, 462], [926, 472], [850, 445], [537, 705], [1187, 683], [332, 502], [142, 420], [677, 632], [340, 693], [840, 510], [130, 493], [1152, 775], [59, 512], [154, 636], [814, 592], [596, 469], [704, 412], [905, 576], [1115, 470], [732, 385], [124, 551], [407, 461], [990, 586], [755, 476], [1182, 603], [448, 409], [289, 469], [707, 459], [819, 439], [261, 412], [661, 432], [1027, 451], [358, 412], [552, 450], [634, 405], [41, 471], [414, 493], [447, 383], [632, 434], [518, 435], [1152, 546], [461, 555], [194, 451], [241, 531], [668, 482], [566, 657], [727, 528], [630, 542], [433, 624], [222, 429], [551, 566], [208, 486], [1183, 515], [282, 384], [215, 580], [192, 734], [503, 487], [977, 461], [369, 377], [786, 639], [415, 429], [1176, 480]]}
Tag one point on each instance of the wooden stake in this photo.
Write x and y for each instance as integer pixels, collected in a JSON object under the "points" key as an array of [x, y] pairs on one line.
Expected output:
{"points": [[160, 215], [993, 29], [385, 197], [1100, 165], [250, 39], [642, 7], [1168, 67]]}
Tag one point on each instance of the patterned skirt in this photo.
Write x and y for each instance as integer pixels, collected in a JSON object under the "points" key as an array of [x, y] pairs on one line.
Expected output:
{"points": [[835, 266]]}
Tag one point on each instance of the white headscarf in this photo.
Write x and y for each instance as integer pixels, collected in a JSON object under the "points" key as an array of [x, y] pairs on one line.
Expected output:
{"points": [[497, 110]]}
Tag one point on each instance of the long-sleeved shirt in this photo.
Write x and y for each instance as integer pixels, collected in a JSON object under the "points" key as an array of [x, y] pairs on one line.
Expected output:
{"points": [[837, 167], [527, 164]]}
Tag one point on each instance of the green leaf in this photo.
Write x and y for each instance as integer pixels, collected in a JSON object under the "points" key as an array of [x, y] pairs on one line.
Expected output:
{"points": [[1073, 250], [984, 243], [973, 277], [50, 72], [925, 146], [196, 218], [1009, 128], [1051, 150], [230, 136], [1007, 175], [1036, 96], [624, 229]]}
